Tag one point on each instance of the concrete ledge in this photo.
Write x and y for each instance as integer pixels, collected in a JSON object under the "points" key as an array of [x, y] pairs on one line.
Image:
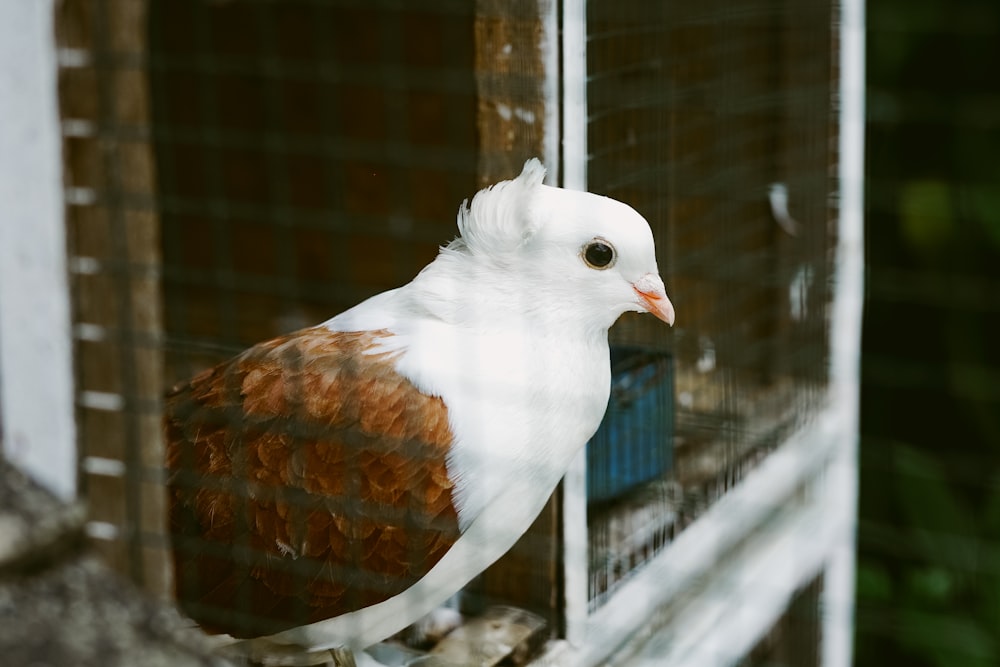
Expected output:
{"points": [[59, 605]]}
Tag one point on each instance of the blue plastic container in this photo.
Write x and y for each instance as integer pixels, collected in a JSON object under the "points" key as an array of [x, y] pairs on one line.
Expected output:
{"points": [[634, 443]]}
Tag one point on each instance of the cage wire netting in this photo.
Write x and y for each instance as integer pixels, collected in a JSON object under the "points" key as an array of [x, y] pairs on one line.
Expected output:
{"points": [[239, 170], [311, 155], [698, 115]]}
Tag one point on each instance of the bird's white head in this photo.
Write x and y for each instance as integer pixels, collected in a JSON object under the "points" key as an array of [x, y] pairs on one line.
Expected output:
{"points": [[575, 255]]}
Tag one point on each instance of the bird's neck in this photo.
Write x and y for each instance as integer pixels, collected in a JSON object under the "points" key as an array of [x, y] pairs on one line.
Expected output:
{"points": [[499, 299]]}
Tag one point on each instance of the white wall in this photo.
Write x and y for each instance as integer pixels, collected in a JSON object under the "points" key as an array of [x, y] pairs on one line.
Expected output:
{"points": [[36, 372]]}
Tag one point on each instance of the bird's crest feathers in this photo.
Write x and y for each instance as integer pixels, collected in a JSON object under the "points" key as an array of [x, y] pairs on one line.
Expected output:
{"points": [[496, 220]]}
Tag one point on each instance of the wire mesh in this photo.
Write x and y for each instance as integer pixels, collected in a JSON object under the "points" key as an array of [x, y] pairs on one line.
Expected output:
{"points": [[310, 155], [698, 116]]}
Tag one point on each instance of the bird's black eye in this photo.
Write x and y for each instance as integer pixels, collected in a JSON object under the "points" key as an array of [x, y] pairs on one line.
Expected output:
{"points": [[599, 254]]}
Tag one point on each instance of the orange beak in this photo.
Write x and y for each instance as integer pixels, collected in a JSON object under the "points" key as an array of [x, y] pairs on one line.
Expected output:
{"points": [[652, 296]]}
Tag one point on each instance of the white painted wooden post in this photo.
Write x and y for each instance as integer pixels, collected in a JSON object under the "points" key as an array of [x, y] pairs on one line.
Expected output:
{"points": [[574, 177], [551, 53], [574, 97], [845, 341], [36, 371]]}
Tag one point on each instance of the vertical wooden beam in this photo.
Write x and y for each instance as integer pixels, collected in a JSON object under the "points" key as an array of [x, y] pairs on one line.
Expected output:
{"points": [[515, 85], [114, 244]]}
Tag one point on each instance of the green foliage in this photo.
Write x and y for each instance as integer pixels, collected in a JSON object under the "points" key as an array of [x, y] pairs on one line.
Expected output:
{"points": [[944, 603], [940, 528], [984, 205], [873, 583], [925, 213], [928, 584]]}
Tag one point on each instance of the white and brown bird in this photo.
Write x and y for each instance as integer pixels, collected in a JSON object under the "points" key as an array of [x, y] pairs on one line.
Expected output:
{"points": [[335, 484]]}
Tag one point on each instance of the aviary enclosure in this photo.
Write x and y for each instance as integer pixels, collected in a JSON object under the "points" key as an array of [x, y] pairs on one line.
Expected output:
{"points": [[239, 169]]}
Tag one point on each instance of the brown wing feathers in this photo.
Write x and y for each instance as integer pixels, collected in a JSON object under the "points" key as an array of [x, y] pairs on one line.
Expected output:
{"points": [[307, 480]]}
